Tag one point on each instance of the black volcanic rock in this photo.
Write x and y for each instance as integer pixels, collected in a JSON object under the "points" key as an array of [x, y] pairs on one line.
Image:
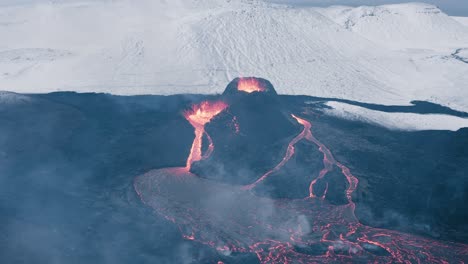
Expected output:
{"points": [[264, 126], [69, 161]]}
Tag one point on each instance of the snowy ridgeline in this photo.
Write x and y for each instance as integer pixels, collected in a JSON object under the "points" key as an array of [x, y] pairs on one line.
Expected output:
{"points": [[386, 54]]}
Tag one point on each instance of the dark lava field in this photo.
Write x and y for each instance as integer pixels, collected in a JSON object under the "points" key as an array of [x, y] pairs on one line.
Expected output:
{"points": [[248, 176]]}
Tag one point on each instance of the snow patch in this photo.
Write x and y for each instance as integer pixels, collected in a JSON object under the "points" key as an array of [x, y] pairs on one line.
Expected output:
{"points": [[402, 26], [396, 121], [462, 20], [28, 55], [9, 98]]}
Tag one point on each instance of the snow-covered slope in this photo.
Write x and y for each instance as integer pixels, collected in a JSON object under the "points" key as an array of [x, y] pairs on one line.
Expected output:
{"points": [[401, 26], [462, 20], [389, 54], [396, 121]]}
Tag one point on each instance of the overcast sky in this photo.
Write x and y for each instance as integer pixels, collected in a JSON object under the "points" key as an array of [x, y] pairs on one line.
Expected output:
{"points": [[451, 7]]}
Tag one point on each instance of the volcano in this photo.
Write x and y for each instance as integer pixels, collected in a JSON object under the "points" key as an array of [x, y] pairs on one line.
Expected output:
{"points": [[255, 122], [222, 198], [243, 177]]}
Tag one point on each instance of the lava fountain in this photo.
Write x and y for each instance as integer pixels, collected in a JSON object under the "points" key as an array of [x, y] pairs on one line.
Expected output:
{"points": [[250, 85], [198, 116]]}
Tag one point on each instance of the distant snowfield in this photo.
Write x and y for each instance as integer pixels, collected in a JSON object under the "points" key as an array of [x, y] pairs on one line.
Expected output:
{"points": [[462, 20], [396, 121], [390, 54]]}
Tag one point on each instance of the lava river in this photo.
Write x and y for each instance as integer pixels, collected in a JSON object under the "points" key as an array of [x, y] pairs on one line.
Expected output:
{"points": [[232, 219]]}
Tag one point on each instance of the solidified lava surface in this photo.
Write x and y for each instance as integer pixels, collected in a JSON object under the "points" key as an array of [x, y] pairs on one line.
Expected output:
{"points": [[233, 218]]}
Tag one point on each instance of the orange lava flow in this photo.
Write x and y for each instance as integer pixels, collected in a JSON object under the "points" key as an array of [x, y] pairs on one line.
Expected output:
{"points": [[250, 85], [328, 162], [199, 116], [289, 153], [277, 231]]}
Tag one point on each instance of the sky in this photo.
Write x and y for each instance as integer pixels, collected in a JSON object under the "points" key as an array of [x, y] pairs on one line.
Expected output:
{"points": [[451, 7]]}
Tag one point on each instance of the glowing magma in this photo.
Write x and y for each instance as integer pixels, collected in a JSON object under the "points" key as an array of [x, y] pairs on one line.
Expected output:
{"points": [[328, 163], [310, 230], [250, 85], [198, 116]]}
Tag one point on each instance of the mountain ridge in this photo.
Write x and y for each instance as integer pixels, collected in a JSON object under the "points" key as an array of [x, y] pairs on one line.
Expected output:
{"points": [[197, 46]]}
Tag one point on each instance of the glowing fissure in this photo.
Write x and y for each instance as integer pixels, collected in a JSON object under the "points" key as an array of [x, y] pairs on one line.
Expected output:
{"points": [[199, 116], [250, 85], [308, 230], [289, 153], [328, 162]]}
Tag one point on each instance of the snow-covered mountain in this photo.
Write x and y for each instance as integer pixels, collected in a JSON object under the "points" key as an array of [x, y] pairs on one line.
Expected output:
{"points": [[388, 54], [414, 25]]}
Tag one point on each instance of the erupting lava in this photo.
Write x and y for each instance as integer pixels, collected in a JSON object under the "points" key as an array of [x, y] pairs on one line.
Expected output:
{"points": [[199, 116], [233, 219], [250, 85], [328, 163]]}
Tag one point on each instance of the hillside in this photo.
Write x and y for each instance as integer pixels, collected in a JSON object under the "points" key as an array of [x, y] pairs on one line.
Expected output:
{"points": [[368, 54]]}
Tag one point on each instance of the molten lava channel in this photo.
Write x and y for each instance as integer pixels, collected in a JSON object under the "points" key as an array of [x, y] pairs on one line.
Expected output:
{"points": [[198, 116], [311, 230], [250, 85]]}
